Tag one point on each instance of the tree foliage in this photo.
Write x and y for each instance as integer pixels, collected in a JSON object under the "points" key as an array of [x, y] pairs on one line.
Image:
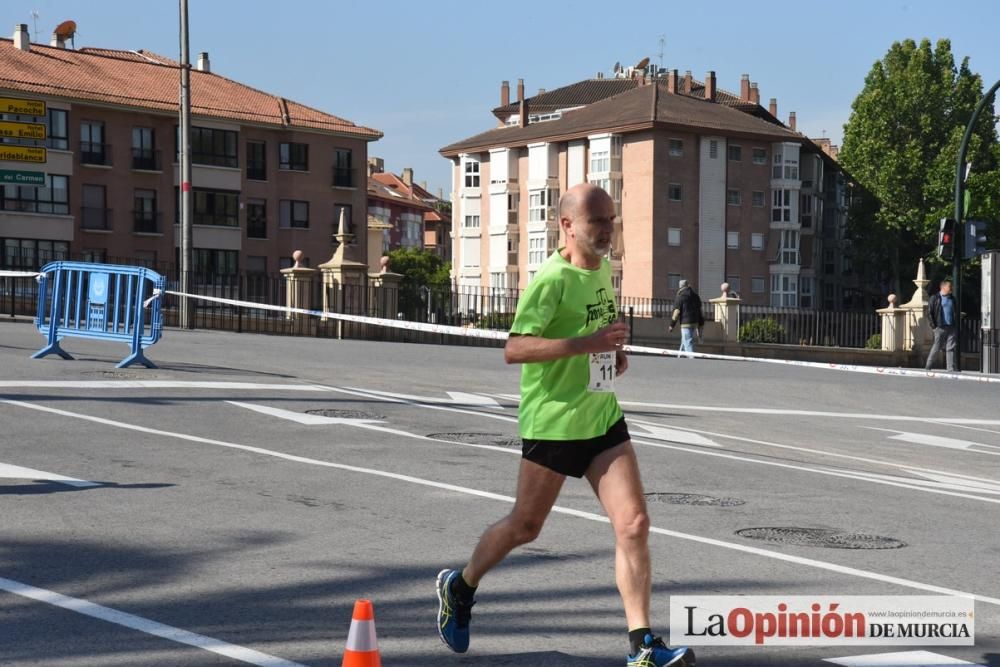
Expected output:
{"points": [[420, 269], [901, 145]]}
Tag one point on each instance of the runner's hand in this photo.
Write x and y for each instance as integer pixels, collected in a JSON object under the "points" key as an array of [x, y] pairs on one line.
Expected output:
{"points": [[608, 339], [621, 363]]}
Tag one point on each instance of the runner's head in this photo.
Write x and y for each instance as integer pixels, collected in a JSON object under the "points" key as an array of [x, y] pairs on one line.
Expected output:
{"points": [[586, 216]]}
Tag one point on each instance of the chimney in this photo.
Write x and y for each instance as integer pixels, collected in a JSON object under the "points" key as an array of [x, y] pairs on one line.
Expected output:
{"points": [[710, 86], [673, 79], [600, 75], [754, 93], [57, 41], [408, 176], [440, 194], [541, 91], [524, 112], [504, 93], [423, 185], [21, 39], [687, 82], [791, 120], [772, 107], [745, 88], [203, 64], [520, 89], [376, 165]]}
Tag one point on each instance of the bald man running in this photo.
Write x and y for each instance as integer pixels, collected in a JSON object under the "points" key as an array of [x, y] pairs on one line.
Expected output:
{"points": [[566, 335]]}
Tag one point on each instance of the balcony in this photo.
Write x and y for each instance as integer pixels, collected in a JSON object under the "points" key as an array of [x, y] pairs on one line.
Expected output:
{"points": [[146, 159], [95, 154], [95, 218], [343, 177], [147, 222]]}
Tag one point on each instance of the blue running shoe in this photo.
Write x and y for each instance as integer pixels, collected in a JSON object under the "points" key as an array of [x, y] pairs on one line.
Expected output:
{"points": [[654, 653], [453, 615]]}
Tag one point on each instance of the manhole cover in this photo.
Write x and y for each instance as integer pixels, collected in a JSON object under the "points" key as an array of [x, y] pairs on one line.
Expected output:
{"points": [[345, 414], [693, 499], [821, 537], [494, 439]]}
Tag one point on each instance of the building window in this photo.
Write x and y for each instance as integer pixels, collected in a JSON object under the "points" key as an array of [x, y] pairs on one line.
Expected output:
{"points": [[144, 154], [256, 264], [31, 254], [733, 240], [760, 156], [757, 241], [471, 173], [757, 197], [674, 236], [600, 161], [536, 249], [757, 284], [613, 186], [213, 147], [95, 255], [734, 197], [343, 173], [256, 219], [805, 292], [735, 153], [471, 222], [789, 247], [805, 211], [144, 213], [674, 191], [209, 262], [734, 284], [348, 212], [676, 147], [256, 161], [53, 198], [214, 207], [293, 156], [713, 149], [788, 169], [784, 290], [94, 213], [829, 261], [293, 214], [539, 202], [781, 206], [57, 135], [673, 281], [93, 150]]}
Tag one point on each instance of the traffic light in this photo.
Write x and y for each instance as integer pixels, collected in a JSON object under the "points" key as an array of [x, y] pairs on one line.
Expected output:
{"points": [[946, 239], [975, 238]]}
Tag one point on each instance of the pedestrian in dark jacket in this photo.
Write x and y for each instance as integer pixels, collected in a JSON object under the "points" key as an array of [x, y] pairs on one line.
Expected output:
{"points": [[943, 315], [687, 311]]}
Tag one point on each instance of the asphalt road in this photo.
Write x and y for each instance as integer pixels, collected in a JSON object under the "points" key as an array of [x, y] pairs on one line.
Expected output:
{"points": [[230, 506]]}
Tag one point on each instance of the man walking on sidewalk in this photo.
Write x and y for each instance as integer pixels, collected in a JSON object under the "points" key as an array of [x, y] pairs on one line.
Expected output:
{"points": [[687, 311], [942, 315]]}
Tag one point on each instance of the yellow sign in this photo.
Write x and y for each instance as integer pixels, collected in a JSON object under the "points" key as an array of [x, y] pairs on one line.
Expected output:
{"points": [[14, 130], [22, 107], [22, 153]]}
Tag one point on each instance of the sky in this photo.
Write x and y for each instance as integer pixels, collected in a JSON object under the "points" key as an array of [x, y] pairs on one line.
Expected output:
{"points": [[427, 74]]}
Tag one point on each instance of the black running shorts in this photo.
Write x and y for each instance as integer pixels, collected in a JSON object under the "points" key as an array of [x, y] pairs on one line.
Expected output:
{"points": [[573, 457]]}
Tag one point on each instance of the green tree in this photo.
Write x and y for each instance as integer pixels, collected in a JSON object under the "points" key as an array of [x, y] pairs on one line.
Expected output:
{"points": [[425, 275], [901, 144]]}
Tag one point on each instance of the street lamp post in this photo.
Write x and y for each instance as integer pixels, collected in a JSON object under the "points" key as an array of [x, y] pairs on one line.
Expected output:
{"points": [[186, 321]]}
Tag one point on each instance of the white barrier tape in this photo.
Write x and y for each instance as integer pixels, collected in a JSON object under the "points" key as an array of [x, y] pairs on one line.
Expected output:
{"points": [[157, 293], [502, 335], [22, 274]]}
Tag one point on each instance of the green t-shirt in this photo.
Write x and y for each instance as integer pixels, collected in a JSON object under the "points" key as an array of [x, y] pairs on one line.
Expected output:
{"points": [[565, 301]]}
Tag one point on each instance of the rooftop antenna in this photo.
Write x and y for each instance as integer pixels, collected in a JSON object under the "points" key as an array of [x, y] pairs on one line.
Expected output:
{"points": [[34, 19], [663, 41], [66, 30]]}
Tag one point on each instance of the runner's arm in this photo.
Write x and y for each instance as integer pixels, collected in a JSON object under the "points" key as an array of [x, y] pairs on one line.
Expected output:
{"points": [[522, 349]]}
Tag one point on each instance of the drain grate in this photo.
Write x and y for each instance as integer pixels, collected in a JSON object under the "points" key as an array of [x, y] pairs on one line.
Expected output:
{"points": [[124, 374], [821, 537], [494, 439], [693, 499], [345, 414]]}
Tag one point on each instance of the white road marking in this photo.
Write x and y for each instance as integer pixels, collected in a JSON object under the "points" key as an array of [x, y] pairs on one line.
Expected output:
{"points": [[939, 441], [364, 393], [145, 625], [463, 398], [151, 384], [660, 432], [904, 659], [9, 471], [590, 516], [454, 398]]}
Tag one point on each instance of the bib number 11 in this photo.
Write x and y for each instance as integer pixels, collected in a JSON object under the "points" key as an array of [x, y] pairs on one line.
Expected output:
{"points": [[602, 371]]}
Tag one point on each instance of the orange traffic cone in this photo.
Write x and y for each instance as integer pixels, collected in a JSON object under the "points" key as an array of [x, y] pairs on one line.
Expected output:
{"points": [[362, 645]]}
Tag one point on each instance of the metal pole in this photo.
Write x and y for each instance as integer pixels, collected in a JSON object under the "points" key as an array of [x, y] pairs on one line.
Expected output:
{"points": [[956, 266], [185, 171]]}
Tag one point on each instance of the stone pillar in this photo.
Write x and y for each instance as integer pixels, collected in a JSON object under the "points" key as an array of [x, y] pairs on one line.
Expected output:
{"points": [[893, 325], [383, 291], [917, 332], [727, 314], [344, 281], [298, 283]]}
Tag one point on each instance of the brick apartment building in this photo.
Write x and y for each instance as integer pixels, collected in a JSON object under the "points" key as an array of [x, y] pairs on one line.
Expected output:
{"points": [[709, 186], [411, 216], [270, 175]]}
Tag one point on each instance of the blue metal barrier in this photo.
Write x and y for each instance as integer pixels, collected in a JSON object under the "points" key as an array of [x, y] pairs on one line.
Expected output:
{"points": [[101, 301]]}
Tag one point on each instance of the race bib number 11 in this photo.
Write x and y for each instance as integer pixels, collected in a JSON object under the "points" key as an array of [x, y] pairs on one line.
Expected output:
{"points": [[602, 371]]}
